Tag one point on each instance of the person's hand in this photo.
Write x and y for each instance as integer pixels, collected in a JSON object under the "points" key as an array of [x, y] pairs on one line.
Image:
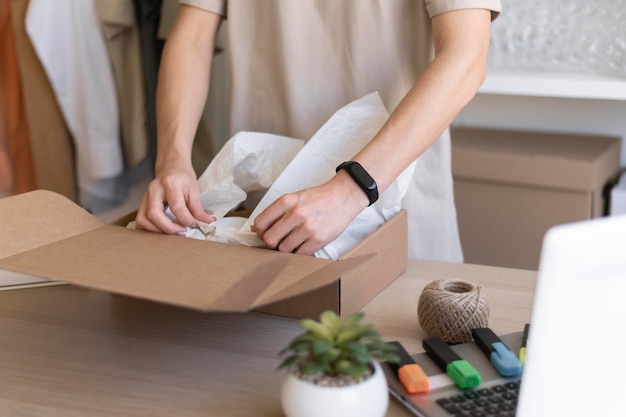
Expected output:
{"points": [[177, 187], [306, 221]]}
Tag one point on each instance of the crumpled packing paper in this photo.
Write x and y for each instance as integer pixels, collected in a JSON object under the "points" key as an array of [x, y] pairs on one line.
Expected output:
{"points": [[252, 161]]}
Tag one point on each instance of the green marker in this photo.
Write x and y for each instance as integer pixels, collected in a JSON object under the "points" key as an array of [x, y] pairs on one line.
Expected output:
{"points": [[460, 370]]}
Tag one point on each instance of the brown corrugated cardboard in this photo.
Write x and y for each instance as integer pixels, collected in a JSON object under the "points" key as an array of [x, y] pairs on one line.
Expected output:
{"points": [[46, 235], [511, 186]]}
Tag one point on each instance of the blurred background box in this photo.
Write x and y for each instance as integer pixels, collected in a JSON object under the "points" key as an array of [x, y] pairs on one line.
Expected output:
{"points": [[512, 186]]}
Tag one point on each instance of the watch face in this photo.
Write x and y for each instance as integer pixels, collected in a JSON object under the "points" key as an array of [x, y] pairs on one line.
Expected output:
{"points": [[361, 176]]}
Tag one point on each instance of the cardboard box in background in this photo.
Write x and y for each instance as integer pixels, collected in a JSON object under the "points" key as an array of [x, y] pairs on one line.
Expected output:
{"points": [[512, 186], [46, 235]]}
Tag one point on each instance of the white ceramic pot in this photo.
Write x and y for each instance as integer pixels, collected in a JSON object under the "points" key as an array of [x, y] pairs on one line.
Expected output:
{"points": [[366, 399]]}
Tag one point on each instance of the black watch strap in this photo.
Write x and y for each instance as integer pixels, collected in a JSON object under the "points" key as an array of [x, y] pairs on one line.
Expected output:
{"points": [[362, 178]]}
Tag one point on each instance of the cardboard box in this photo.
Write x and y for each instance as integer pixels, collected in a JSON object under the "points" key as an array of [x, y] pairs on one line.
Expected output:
{"points": [[511, 186], [46, 235]]}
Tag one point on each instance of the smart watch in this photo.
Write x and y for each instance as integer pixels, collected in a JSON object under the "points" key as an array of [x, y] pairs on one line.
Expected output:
{"points": [[362, 178]]}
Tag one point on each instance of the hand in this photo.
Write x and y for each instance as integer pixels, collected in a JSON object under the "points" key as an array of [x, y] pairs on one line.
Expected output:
{"points": [[177, 187], [306, 221]]}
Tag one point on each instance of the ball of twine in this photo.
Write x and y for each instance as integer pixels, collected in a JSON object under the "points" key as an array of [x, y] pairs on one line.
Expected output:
{"points": [[450, 308]]}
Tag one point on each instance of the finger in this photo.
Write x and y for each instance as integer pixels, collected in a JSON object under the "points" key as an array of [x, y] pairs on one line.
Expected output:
{"points": [[309, 247], [179, 208], [197, 210], [152, 212], [273, 225], [159, 219], [143, 219], [301, 241], [264, 225], [292, 242]]}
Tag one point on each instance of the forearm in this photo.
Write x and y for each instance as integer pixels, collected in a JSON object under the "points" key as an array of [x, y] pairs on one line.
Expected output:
{"points": [[183, 84], [437, 97]]}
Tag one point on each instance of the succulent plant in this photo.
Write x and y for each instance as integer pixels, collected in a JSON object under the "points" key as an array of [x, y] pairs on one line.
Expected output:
{"points": [[335, 346]]}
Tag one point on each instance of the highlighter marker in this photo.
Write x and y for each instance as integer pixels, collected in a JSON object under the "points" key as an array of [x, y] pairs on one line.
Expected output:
{"points": [[501, 357], [411, 375], [522, 350], [460, 370]]}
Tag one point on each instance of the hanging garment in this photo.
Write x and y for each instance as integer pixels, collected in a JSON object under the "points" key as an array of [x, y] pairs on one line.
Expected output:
{"points": [[124, 47], [148, 14], [68, 39], [6, 169], [51, 145], [17, 141]]}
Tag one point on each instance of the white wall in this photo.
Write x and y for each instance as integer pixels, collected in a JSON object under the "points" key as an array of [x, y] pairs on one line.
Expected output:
{"points": [[557, 65], [548, 113]]}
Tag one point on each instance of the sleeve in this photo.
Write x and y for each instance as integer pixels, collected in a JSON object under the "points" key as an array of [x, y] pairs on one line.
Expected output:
{"points": [[214, 6], [436, 7]]}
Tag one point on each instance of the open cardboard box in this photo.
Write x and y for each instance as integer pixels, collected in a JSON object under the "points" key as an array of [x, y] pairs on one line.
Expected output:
{"points": [[47, 235]]}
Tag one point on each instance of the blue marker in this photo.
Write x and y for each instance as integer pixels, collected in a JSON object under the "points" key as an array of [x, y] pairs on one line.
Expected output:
{"points": [[501, 357]]}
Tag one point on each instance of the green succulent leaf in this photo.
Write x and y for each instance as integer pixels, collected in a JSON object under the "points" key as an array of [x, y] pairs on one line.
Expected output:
{"points": [[320, 347], [312, 368], [358, 352], [355, 334], [330, 356], [386, 357], [317, 329], [290, 361], [342, 366], [331, 321], [353, 320], [357, 370], [302, 346], [300, 342]]}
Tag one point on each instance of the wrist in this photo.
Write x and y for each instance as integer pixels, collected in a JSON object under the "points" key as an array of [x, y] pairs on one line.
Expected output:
{"points": [[172, 159], [361, 178]]}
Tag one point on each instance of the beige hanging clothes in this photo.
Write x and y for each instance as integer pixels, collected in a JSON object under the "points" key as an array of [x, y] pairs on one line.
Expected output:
{"points": [[50, 142], [124, 46]]}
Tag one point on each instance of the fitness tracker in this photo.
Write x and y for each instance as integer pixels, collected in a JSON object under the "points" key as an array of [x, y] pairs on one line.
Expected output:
{"points": [[362, 178]]}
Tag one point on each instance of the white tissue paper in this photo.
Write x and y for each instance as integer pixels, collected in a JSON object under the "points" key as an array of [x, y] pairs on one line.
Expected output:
{"points": [[248, 162], [253, 161]]}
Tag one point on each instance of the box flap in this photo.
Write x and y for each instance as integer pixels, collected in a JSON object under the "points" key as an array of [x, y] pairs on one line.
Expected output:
{"points": [[185, 272], [40, 217], [548, 160], [317, 279]]}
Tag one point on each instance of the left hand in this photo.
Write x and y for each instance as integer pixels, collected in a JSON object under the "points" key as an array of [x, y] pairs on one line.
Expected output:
{"points": [[306, 221]]}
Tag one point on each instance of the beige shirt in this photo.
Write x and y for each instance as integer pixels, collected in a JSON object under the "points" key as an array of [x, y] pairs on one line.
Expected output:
{"points": [[294, 63]]}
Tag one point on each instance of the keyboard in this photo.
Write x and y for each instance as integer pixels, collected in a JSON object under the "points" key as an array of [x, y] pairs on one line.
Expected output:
{"points": [[498, 400]]}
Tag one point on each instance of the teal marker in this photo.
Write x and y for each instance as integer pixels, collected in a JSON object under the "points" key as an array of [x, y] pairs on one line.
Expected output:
{"points": [[501, 357], [458, 369]]}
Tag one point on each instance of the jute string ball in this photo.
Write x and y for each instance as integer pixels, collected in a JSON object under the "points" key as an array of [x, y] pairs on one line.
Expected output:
{"points": [[450, 308]]}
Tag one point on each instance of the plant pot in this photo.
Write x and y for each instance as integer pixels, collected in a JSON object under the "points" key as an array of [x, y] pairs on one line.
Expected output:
{"points": [[366, 399]]}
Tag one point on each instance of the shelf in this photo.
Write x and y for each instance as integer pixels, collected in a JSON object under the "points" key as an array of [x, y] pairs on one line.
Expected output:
{"points": [[534, 84]]}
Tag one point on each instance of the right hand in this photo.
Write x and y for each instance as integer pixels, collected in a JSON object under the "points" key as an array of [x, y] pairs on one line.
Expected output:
{"points": [[175, 186]]}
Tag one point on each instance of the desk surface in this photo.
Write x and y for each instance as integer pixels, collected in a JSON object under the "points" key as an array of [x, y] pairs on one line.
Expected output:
{"points": [[69, 352]]}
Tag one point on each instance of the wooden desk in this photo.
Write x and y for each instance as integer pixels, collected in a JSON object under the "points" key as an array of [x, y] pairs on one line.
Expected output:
{"points": [[71, 352]]}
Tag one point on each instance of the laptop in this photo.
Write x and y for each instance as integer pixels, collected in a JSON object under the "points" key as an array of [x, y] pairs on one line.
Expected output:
{"points": [[575, 361]]}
